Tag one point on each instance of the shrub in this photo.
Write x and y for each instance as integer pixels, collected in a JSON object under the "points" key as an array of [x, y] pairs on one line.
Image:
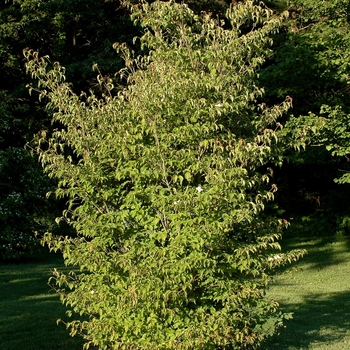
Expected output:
{"points": [[167, 186]]}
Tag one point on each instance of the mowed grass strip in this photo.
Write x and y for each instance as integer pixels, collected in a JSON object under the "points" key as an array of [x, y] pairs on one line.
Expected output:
{"points": [[29, 309], [317, 291]]}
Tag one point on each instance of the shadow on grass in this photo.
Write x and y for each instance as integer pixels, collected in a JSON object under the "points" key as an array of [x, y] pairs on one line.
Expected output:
{"points": [[321, 318], [315, 291], [318, 236], [29, 309], [322, 252]]}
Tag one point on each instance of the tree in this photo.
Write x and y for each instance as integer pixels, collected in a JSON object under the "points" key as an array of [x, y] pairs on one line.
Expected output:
{"points": [[167, 186], [79, 34], [23, 208], [311, 64], [311, 57]]}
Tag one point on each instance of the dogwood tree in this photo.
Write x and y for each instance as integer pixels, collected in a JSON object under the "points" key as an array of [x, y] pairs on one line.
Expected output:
{"points": [[167, 182]]}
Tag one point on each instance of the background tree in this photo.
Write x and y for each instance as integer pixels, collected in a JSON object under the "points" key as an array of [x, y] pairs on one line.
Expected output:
{"points": [[79, 34], [166, 186], [311, 64]]}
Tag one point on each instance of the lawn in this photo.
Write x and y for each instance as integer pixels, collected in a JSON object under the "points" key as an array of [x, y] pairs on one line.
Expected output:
{"points": [[29, 309], [316, 290]]}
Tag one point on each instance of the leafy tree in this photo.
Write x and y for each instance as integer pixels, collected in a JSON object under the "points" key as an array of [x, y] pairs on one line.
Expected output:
{"points": [[79, 34], [330, 128], [311, 64], [23, 208], [167, 186], [311, 60]]}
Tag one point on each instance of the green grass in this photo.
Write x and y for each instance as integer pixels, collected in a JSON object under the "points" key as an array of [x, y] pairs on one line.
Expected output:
{"points": [[317, 291], [29, 309]]}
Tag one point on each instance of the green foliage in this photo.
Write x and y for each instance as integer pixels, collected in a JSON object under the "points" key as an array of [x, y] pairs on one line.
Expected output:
{"points": [[166, 186], [23, 206], [324, 27], [311, 65], [79, 34], [335, 135], [312, 56]]}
